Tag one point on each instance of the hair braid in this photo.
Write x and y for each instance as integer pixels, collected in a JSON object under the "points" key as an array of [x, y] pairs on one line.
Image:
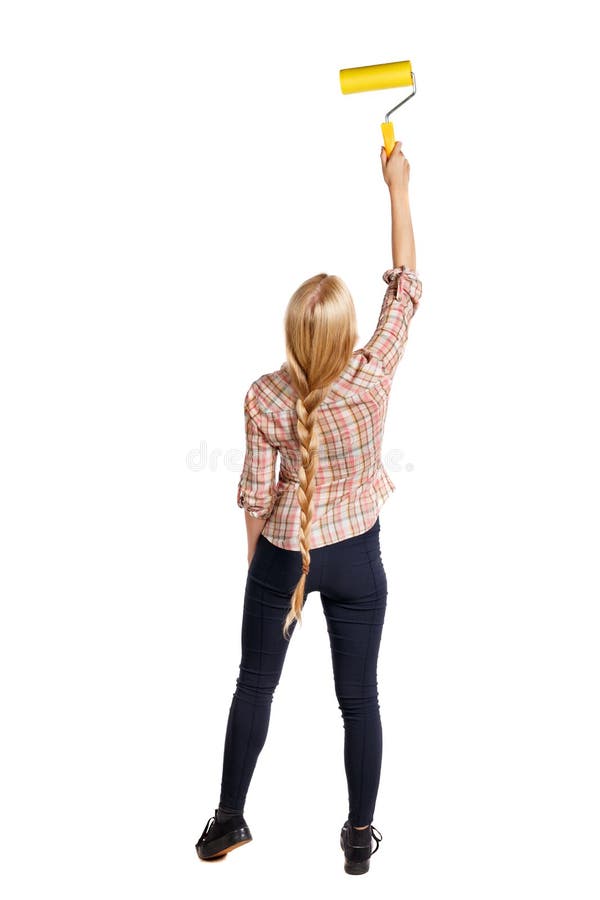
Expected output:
{"points": [[307, 409], [320, 332]]}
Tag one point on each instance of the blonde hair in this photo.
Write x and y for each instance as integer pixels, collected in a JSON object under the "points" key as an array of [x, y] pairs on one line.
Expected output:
{"points": [[320, 333]]}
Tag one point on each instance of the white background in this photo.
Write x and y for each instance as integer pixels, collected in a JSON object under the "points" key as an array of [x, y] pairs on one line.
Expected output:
{"points": [[170, 173]]}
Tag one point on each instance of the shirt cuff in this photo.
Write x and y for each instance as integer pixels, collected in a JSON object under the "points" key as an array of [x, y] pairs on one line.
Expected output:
{"points": [[395, 271], [256, 511], [402, 274]]}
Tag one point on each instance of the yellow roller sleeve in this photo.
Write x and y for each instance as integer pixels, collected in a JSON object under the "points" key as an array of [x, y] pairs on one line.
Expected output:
{"points": [[376, 78]]}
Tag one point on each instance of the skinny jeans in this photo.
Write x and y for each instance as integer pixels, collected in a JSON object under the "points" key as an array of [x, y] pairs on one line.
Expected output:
{"points": [[351, 580]]}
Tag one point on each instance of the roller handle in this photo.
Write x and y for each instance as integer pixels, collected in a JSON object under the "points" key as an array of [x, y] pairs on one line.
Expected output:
{"points": [[387, 130]]}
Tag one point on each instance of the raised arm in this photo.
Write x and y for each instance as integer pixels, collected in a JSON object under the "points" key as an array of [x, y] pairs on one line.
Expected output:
{"points": [[404, 285], [396, 173]]}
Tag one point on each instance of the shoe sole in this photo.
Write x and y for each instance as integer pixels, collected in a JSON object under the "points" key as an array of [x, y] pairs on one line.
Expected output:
{"points": [[224, 845]]}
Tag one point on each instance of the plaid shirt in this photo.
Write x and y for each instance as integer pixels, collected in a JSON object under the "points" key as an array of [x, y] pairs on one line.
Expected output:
{"points": [[351, 483]]}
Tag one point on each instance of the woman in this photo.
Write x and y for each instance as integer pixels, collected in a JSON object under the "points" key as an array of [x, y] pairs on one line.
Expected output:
{"points": [[317, 527]]}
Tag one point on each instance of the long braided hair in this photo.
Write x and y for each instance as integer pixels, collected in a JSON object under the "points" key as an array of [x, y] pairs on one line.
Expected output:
{"points": [[320, 333]]}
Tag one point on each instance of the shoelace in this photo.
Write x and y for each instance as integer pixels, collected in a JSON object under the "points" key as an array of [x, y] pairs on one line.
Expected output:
{"points": [[206, 828], [380, 838]]}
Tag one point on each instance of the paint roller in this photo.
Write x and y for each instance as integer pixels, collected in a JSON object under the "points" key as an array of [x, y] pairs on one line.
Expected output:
{"points": [[377, 78]]}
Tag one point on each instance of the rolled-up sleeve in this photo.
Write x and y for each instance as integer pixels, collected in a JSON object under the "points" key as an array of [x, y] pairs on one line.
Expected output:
{"points": [[400, 302], [256, 487]]}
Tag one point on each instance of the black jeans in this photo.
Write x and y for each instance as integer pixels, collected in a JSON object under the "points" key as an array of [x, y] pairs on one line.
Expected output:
{"points": [[350, 577]]}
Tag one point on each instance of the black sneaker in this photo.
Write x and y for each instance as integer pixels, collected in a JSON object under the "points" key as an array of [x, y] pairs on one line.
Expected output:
{"points": [[356, 844], [218, 838]]}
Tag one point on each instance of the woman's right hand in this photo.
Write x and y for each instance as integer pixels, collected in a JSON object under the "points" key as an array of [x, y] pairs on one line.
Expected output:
{"points": [[396, 168]]}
